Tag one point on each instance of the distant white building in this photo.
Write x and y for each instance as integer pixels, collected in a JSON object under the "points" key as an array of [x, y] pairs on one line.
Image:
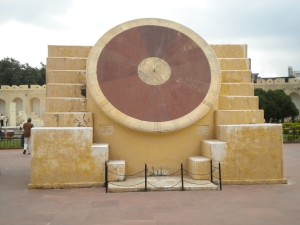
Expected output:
{"points": [[17, 103], [290, 85]]}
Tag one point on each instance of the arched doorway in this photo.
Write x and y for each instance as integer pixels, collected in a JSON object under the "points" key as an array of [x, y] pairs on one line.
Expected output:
{"points": [[19, 105], [2, 106], [35, 106]]}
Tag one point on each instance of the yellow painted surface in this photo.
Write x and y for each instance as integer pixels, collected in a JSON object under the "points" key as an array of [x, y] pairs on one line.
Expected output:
{"points": [[237, 89], [235, 64], [157, 150], [227, 117], [230, 51], [248, 147], [238, 102], [64, 90], [68, 51], [59, 104], [254, 153], [66, 76], [59, 63], [69, 119], [236, 76], [64, 157], [199, 167]]}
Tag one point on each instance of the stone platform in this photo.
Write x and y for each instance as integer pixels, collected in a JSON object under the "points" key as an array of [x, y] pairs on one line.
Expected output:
{"points": [[160, 183]]}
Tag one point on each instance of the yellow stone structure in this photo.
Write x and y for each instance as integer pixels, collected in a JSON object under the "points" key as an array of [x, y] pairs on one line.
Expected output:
{"points": [[227, 127]]}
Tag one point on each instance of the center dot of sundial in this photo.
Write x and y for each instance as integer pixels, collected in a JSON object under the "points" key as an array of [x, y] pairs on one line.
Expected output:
{"points": [[154, 71]]}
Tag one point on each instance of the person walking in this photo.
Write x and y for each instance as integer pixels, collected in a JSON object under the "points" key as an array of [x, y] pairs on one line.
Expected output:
{"points": [[27, 133]]}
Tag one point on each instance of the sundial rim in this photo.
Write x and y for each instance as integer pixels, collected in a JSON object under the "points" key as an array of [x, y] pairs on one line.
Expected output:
{"points": [[117, 115]]}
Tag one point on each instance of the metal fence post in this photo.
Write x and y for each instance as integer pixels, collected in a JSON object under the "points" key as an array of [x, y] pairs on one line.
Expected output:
{"points": [[145, 177], [182, 183], [220, 178], [211, 171], [106, 177]]}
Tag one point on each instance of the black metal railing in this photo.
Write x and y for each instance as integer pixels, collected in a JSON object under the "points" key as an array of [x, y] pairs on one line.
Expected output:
{"points": [[184, 177], [11, 140]]}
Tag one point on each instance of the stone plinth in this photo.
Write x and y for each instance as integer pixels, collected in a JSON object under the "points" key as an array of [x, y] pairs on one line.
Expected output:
{"points": [[254, 153], [214, 149], [65, 157], [116, 170], [199, 167]]}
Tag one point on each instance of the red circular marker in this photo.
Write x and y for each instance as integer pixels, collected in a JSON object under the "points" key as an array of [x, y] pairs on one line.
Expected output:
{"points": [[153, 75], [167, 51]]}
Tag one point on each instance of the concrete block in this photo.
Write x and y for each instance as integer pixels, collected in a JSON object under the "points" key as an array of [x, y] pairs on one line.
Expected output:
{"points": [[230, 51], [254, 153], [226, 117], [214, 149], [66, 76], [238, 102], [66, 63], [236, 76], [235, 89], [64, 157], [68, 51], [116, 170], [68, 119], [64, 90], [234, 64], [199, 167], [56, 104]]}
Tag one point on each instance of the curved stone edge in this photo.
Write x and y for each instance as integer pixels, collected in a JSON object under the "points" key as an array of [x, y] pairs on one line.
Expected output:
{"points": [[146, 126]]}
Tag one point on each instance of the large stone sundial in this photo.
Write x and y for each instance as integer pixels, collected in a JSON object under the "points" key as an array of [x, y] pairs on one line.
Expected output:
{"points": [[153, 75]]}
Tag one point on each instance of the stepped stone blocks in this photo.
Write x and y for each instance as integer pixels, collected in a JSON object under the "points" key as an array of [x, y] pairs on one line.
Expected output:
{"points": [[66, 101], [64, 90], [66, 157], [230, 51], [66, 76], [254, 153], [230, 128], [234, 64], [60, 63], [214, 149], [59, 104], [226, 117], [199, 167], [67, 119], [116, 170], [235, 89], [236, 76], [238, 102], [68, 51]]}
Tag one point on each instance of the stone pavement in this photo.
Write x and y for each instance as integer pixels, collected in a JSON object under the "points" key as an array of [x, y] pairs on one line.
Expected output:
{"points": [[236, 205]]}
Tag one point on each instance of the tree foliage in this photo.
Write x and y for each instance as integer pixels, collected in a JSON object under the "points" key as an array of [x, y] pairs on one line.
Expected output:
{"points": [[276, 105], [14, 73]]}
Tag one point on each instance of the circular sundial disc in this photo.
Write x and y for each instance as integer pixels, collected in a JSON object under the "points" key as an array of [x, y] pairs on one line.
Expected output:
{"points": [[153, 75]]}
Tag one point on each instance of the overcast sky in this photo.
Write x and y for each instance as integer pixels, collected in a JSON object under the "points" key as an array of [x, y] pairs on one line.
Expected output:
{"points": [[270, 28]]}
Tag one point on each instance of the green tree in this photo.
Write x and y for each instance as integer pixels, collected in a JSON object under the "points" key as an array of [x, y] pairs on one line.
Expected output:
{"points": [[276, 105], [14, 73]]}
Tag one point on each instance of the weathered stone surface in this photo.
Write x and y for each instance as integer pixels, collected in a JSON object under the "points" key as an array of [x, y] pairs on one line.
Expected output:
{"points": [[68, 51], [214, 149], [237, 89], [230, 51], [199, 167], [238, 102], [65, 157], [235, 64], [68, 119], [116, 170], [227, 117], [58, 104], [254, 153]]}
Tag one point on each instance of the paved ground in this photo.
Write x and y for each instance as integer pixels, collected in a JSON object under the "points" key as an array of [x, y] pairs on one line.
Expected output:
{"points": [[235, 205]]}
